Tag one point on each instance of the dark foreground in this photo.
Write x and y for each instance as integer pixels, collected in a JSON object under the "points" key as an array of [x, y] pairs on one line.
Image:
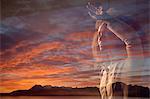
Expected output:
{"points": [[59, 97], [38, 90]]}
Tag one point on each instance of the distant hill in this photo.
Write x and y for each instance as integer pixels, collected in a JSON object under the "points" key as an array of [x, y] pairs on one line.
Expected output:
{"points": [[38, 90]]}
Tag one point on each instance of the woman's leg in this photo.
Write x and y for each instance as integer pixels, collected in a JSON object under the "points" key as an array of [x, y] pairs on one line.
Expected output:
{"points": [[114, 87], [103, 92], [103, 83], [110, 92]]}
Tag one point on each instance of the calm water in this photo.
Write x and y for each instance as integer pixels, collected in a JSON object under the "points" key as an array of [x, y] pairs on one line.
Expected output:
{"points": [[58, 97]]}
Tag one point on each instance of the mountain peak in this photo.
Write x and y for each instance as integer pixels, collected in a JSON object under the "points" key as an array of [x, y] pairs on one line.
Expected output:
{"points": [[37, 87]]}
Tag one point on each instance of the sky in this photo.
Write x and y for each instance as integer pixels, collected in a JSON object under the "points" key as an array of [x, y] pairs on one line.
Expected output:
{"points": [[51, 47]]}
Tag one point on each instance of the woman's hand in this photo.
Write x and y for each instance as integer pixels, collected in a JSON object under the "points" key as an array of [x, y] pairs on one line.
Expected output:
{"points": [[97, 13]]}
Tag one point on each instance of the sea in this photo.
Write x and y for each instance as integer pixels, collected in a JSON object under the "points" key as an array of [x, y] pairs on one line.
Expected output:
{"points": [[58, 97]]}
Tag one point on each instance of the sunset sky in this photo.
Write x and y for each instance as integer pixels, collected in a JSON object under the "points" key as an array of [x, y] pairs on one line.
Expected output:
{"points": [[51, 47]]}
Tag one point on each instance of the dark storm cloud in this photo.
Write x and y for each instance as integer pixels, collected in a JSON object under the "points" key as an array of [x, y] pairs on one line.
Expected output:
{"points": [[11, 36]]}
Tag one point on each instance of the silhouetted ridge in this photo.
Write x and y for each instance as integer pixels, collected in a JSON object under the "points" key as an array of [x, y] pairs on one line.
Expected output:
{"points": [[48, 90], [37, 87]]}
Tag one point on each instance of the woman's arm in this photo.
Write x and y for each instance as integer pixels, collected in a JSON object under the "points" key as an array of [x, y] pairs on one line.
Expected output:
{"points": [[131, 39]]}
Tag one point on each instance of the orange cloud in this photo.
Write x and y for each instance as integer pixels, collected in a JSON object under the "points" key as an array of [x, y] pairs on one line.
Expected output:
{"points": [[27, 56], [79, 36], [27, 78]]}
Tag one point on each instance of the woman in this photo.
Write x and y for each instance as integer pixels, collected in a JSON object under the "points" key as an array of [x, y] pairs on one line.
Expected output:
{"points": [[115, 67]]}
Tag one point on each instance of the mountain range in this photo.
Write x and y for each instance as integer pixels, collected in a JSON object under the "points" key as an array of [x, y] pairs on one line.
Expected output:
{"points": [[48, 90]]}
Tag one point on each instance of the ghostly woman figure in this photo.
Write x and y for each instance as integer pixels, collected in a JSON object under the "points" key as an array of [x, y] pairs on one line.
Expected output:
{"points": [[116, 59]]}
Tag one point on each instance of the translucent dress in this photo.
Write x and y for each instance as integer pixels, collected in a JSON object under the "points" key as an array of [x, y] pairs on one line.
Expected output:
{"points": [[120, 51]]}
